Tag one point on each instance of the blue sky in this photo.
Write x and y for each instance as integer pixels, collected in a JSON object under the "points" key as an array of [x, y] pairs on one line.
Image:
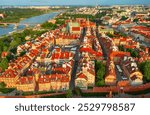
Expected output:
{"points": [[72, 2]]}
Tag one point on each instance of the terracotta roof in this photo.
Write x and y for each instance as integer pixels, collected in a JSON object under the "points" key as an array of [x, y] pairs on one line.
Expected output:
{"points": [[76, 28], [25, 80], [4, 54], [81, 75]]}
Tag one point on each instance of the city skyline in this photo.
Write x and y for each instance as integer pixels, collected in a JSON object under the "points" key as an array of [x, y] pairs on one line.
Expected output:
{"points": [[74, 2]]}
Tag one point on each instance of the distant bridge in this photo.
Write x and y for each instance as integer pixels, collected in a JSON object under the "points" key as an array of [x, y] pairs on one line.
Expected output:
{"points": [[17, 24]]}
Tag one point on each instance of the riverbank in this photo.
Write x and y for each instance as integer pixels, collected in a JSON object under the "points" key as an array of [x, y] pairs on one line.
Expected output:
{"points": [[31, 22], [2, 25], [15, 15]]}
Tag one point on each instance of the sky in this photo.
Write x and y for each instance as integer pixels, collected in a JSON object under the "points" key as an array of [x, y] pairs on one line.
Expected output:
{"points": [[73, 2]]}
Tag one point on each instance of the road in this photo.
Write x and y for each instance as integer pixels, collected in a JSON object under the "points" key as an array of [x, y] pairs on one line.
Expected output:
{"points": [[74, 69], [120, 75], [76, 61]]}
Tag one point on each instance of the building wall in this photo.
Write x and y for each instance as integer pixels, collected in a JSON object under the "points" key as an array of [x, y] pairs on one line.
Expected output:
{"points": [[10, 82], [104, 31], [81, 83], [65, 41], [44, 86], [25, 87], [109, 80]]}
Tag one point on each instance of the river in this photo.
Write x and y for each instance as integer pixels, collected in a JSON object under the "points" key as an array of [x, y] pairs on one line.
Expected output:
{"points": [[31, 21]]}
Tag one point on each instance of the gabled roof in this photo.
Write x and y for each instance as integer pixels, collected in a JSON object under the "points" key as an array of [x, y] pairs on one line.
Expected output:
{"points": [[82, 76]]}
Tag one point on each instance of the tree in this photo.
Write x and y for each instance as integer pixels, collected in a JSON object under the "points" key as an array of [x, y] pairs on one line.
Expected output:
{"points": [[2, 85], [100, 83], [22, 53], [145, 69], [132, 52], [123, 18], [100, 72], [5, 48], [110, 35], [13, 50], [69, 93], [27, 32], [4, 64], [10, 57], [49, 25], [136, 20], [13, 44], [121, 48]]}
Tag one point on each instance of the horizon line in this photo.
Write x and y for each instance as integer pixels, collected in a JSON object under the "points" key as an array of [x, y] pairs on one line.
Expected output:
{"points": [[84, 5]]}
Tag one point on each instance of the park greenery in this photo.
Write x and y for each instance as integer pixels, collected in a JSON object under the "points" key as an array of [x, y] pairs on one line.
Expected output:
{"points": [[5, 90], [4, 64], [49, 25], [53, 26], [2, 85], [145, 69], [86, 16], [100, 72], [14, 15]]}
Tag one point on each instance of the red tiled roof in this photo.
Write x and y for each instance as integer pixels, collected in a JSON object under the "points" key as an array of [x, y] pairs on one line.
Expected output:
{"points": [[61, 55], [81, 75], [25, 80], [76, 28], [53, 78], [4, 54]]}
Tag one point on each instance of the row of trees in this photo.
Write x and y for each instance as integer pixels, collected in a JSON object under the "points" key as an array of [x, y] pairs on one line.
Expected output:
{"points": [[100, 72]]}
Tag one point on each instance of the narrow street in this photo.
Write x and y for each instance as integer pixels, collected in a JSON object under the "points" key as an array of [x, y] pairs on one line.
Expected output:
{"points": [[76, 61], [74, 69], [102, 46]]}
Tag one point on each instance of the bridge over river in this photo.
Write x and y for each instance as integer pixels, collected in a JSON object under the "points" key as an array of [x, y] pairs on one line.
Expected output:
{"points": [[17, 24]]}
